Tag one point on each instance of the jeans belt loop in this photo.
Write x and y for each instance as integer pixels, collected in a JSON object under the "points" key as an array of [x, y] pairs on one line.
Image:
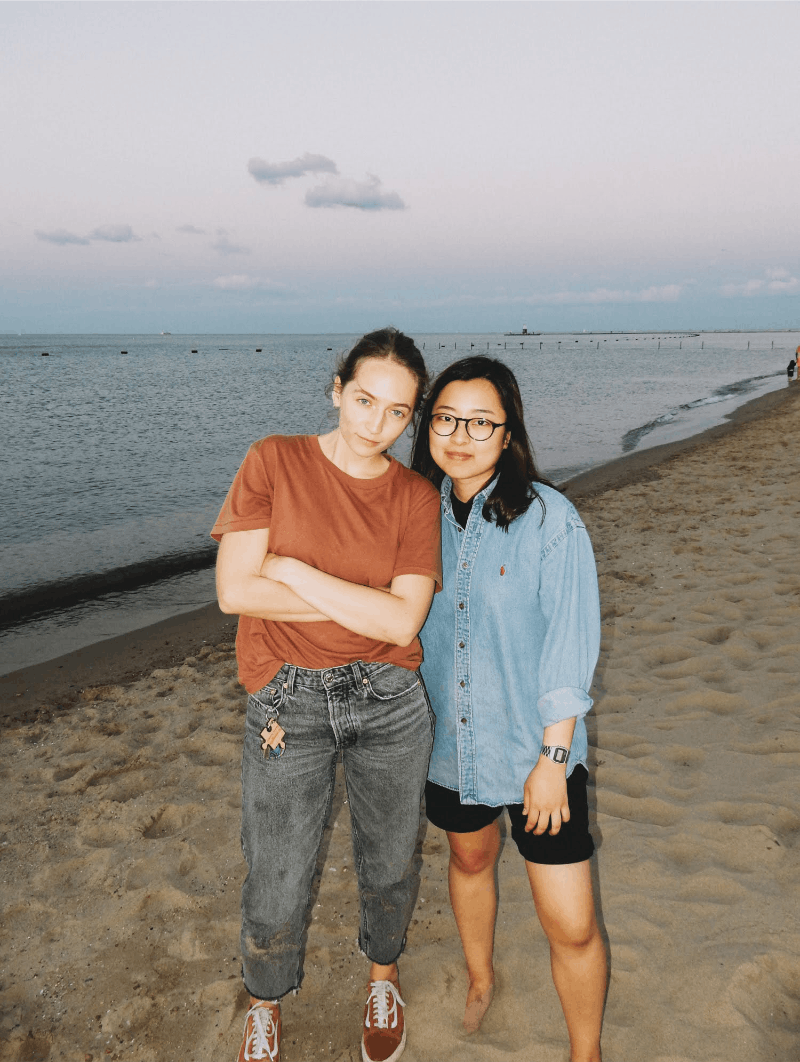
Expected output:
{"points": [[356, 672], [290, 676]]}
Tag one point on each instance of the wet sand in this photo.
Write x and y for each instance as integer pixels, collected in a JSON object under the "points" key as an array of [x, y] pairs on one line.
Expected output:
{"points": [[120, 820]]}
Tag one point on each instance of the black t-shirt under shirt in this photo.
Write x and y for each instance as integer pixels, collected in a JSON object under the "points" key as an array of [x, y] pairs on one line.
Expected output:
{"points": [[461, 510]]}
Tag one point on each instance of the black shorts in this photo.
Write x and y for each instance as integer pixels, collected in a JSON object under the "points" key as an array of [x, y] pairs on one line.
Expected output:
{"points": [[572, 844]]}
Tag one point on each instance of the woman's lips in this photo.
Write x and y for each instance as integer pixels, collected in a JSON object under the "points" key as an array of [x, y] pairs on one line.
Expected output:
{"points": [[457, 455]]}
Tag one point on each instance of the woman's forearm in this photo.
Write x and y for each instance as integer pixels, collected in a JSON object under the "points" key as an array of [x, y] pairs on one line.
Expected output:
{"points": [[242, 588], [395, 615], [254, 595], [559, 733]]}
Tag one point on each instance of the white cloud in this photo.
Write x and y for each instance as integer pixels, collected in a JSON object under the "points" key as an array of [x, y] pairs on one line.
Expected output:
{"points": [[277, 172], [362, 195], [243, 282], [59, 236], [775, 282], [224, 246], [191, 230], [114, 234]]}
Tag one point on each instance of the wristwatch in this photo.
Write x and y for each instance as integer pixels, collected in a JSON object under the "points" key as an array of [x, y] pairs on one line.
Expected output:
{"points": [[557, 753]]}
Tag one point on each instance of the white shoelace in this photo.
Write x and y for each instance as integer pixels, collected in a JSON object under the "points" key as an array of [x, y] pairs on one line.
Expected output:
{"points": [[382, 1005], [263, 1039]]}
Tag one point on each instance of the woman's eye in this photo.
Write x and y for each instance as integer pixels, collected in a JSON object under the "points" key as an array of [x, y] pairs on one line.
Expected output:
{"points": [[442, 418], [479, 422], [364, 401], [398, 412]]}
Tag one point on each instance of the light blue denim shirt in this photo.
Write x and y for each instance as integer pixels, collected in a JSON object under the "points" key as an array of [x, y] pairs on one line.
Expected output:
{"points": [[510, 644]]}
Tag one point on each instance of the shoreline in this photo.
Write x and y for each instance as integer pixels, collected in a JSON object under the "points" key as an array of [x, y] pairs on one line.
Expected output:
{"points": [[56, 684]]}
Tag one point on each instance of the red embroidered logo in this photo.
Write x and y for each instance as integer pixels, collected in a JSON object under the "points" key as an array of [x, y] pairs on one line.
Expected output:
{"points": [[502, 571]]}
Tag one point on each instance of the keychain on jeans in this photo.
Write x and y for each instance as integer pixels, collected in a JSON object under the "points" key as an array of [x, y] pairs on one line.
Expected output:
{"points": [[273, 735]]}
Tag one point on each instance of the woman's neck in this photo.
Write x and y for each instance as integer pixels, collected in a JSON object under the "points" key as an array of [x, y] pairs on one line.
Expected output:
{"points": [[339, 453]]}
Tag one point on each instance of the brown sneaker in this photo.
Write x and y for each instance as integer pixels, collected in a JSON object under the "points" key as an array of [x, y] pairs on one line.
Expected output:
{"points": [[384, 1027], [262, 1033]]}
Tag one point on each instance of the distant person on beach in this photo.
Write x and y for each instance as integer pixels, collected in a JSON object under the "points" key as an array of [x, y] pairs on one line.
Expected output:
{"points": [[790, 368], [510, 647], [329, 552]]}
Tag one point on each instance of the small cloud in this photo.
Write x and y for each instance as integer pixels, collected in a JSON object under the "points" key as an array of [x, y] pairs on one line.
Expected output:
{"points": [[362, 195], [60, 236], [224, 246], [221, 232], [277, 172], [243, 282], [151, 283], [191, 230], [777, 282], [114, 234]]}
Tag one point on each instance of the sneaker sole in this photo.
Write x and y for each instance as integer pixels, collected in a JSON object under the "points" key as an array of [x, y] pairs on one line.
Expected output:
{"points": [[393, 1057]]}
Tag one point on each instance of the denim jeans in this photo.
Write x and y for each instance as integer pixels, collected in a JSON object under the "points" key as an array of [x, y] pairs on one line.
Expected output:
{"points": [[378, 716]]}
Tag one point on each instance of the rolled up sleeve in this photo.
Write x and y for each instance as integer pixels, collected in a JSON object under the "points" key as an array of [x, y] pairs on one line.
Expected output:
{"points": [[570, 602]]}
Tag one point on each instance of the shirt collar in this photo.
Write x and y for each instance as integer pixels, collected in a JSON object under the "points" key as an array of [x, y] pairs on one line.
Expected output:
{"points": [[482, 495]]}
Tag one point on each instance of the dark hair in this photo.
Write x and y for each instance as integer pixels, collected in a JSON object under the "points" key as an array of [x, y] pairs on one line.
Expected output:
{"points": [[515, 489], [393, 345]]}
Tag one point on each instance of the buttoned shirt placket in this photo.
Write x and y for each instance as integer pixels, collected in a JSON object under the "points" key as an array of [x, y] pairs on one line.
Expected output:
{"points": [[470, 543]]}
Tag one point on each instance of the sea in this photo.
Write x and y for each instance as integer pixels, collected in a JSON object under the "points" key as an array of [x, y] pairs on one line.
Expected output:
{"points": [[118, 449]]}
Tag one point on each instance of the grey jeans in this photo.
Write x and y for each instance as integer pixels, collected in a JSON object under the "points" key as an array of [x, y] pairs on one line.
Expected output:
{"points": [[378, 716]]}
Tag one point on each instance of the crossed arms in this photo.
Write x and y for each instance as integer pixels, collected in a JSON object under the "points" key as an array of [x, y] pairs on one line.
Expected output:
{"points": [[253, 582]]}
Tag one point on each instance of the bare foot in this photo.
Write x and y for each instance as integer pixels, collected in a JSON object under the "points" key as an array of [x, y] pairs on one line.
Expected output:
{"points": [[477, 1005]]}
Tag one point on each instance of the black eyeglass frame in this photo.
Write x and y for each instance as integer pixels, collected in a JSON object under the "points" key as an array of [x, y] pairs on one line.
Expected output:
{"points": [[466, 422]]}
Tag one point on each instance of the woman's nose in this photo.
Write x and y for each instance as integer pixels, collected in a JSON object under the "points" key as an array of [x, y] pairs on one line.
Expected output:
{"points": [[374, 421], [461, 434]]}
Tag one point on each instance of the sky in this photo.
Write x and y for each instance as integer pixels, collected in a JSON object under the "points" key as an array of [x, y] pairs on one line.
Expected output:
{"points": [[333, 166]]}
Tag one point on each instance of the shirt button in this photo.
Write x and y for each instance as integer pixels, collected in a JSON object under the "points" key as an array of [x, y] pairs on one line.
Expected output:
{"points": [[465, 565], [464, 722], [462, 684], [461, 605], [460, 645]]}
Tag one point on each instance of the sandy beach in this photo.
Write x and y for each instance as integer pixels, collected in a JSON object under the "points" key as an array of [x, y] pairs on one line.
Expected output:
{"points": [[120, 813]]}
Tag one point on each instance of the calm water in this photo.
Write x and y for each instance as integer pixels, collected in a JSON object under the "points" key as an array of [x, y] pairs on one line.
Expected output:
{"points": [[118, 450]]}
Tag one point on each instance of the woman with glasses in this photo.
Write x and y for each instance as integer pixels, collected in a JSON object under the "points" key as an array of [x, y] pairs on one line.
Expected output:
{"points": [[329, 553], [510, 646]]}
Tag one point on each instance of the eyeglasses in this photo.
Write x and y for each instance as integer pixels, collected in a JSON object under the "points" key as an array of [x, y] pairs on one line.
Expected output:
{"points": [[478, 428]]}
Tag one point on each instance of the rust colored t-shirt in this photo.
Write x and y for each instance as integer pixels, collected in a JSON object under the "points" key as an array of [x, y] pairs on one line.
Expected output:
{"points": [[366, 531]]}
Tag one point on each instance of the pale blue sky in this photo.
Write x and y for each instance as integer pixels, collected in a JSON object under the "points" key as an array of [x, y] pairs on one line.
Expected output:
{"points": [[444, 166]]}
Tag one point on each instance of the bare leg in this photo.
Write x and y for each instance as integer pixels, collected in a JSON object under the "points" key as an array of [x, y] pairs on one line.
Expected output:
{"points": [[565, 905], [474, 899]]}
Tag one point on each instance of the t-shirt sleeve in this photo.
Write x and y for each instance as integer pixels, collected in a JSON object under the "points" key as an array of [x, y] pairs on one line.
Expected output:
{"points": [[248, 505], [420, 551]]}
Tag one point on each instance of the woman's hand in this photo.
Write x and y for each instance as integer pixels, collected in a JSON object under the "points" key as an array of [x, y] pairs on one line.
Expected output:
{"points": [[545, 797]]}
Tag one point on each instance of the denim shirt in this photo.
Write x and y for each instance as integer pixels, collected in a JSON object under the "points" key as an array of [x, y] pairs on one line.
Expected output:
{"points": [[510, 644]]}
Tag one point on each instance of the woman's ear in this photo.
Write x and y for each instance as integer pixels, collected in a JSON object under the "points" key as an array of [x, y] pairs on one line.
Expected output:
{"points": [[507, 440], [336, 394]]}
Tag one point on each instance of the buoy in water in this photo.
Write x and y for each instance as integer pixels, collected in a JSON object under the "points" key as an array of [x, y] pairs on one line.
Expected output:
{"points": [[45, 354], [194, 352]]}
